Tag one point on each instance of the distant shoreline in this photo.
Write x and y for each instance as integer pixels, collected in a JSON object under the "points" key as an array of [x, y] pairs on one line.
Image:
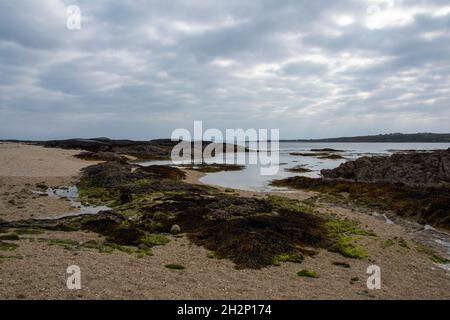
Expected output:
{"points": [[380, 138], [386, 138]]}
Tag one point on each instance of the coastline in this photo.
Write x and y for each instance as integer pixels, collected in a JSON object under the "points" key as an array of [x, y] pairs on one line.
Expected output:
{"points": [[36, 268]]}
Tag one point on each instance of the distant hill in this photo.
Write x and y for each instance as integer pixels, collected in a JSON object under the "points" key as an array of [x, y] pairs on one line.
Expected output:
{"points": [[391, 137]]}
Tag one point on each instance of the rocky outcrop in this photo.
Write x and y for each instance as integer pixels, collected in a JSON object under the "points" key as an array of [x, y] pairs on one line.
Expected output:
{"points": [[101, 156], [424, 169], [112, 174], [155, 149], [159, 149]]}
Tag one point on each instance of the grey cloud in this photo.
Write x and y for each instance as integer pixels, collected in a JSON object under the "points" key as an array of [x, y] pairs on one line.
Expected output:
{"points": [[139, 69]]}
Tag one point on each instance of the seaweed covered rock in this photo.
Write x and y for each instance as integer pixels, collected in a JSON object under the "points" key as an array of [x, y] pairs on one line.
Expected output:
{"points": [[149, 203], [423, 169], [101, 156], [164, 172], [107, 174], [159, 149], [113, 174], [93, 145], [251, 232], [103, 222], [424, 204]]}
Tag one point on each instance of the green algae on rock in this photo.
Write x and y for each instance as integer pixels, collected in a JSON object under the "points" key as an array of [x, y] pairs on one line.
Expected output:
{"points": [[425, 204], [307, 273], [7, 246], [251, 232], [174, 266]]}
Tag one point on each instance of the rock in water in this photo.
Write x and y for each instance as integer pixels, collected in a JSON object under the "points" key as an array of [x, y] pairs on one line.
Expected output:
{"points": [[175, 229], [423, 169]]}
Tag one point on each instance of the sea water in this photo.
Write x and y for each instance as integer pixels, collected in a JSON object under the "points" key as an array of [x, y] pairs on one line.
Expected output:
{"points": [[250, 178]]}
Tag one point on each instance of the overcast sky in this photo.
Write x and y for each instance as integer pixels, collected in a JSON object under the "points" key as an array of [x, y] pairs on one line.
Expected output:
{"points": [[139, 69]]}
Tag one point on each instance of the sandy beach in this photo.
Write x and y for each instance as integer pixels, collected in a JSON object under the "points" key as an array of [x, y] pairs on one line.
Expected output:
{"points": [[36, 269]]}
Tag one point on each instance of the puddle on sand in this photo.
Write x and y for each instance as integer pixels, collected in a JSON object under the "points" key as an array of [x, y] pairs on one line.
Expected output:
{"points": [[436, 239], [71, 194], [384, 216]]}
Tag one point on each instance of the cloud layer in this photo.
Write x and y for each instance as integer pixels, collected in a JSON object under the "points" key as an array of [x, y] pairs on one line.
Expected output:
{"points": [[139, 69]]}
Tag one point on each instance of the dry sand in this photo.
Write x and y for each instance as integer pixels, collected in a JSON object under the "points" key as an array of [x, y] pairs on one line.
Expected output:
{"points": [[22, 167], [31, 161], [38, 270]]}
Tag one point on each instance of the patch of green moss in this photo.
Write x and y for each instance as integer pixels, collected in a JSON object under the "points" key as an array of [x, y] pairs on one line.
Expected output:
{"points": [[162, 215], [348, 248], [212, 255], [286, 257], [106, 247], [98, 195], [138, 203], [17, 257], [6, 246], [345, 227], [342, 232], [24, 231], [175, 266], [387, 243], [154, 239], [402, 243], [139, 252], [230, 190], [174, 193], [432, 255], [307, 273], [141, 182], [279, 202], [67, 244]]}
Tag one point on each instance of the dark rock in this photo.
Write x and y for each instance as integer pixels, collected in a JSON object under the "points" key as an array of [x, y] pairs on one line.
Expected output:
{"points": [[326, 150], [429, 205], [41, 186], [166, 172], [215, 167], [299, 169], [113, 174], [143, 150], [101, 156], [81, 144], [103, 222], [107, 174], [429, 169], [126, 235], [10, 237]]}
